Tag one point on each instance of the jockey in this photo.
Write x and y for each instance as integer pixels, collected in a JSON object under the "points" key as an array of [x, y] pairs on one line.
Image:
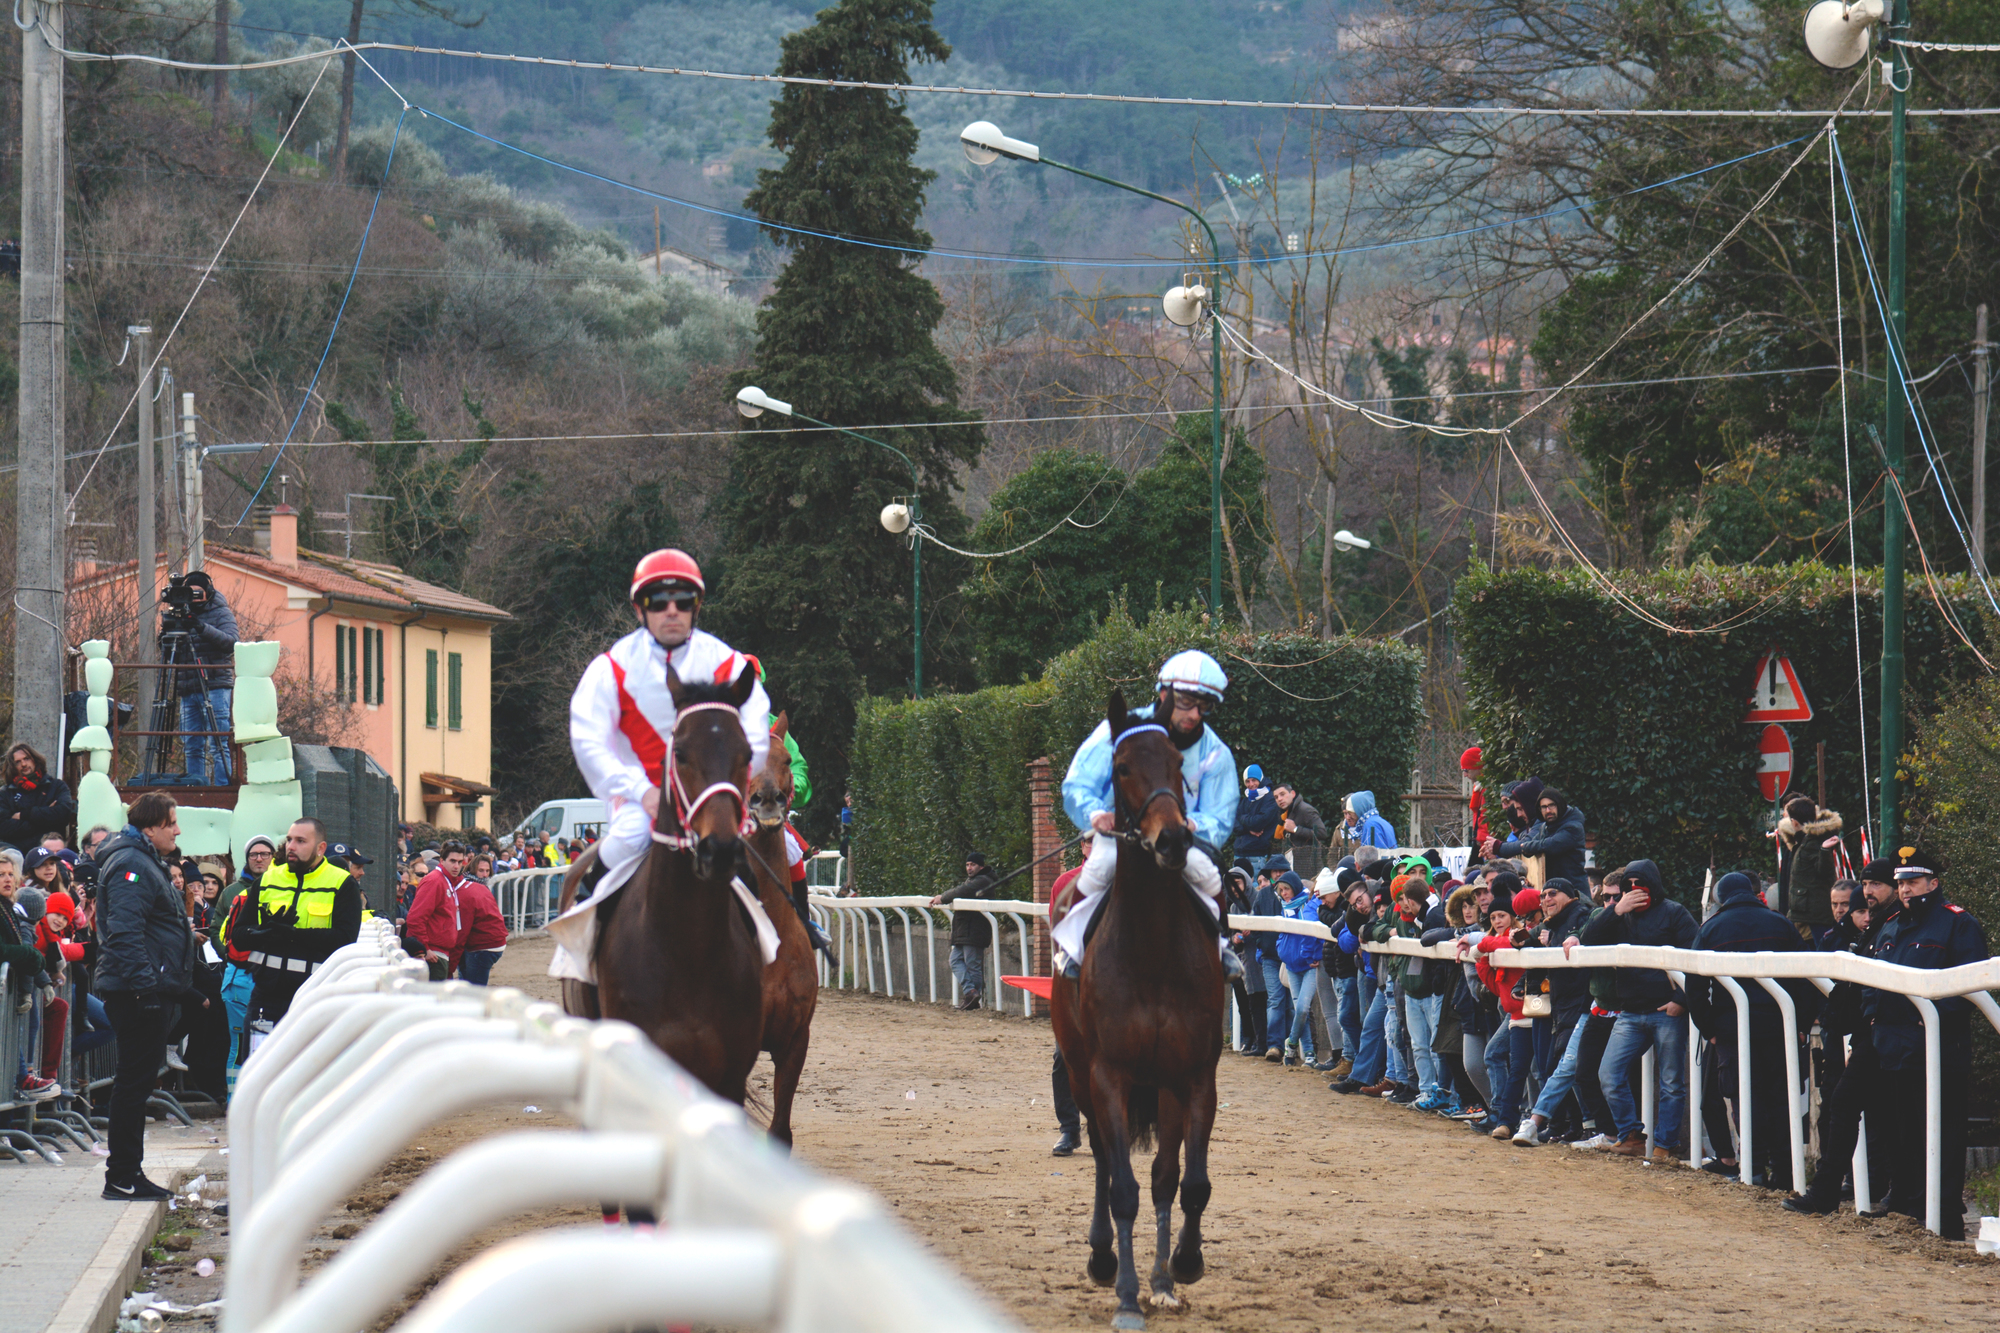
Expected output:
{"points": [[1191, 686], [621, 716]]}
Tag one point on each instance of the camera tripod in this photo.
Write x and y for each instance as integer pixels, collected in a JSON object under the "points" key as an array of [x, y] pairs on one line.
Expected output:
{"points": [[177, 653]]}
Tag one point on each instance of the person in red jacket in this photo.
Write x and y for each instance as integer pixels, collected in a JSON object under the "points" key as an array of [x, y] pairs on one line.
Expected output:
{"points": [[436, 923], [1511, 1049], [485, 931]]}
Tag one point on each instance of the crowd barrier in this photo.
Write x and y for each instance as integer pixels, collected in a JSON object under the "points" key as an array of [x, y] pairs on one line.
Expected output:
{"points": [[45, 1129], [370, 1056], [528, 898], [860, 929]]}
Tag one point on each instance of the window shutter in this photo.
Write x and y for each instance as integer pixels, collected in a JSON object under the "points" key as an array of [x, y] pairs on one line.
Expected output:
{"points": [[368, 667], [339, 663], [430, 687], [353, 664], [456, 716], [381, 669]]}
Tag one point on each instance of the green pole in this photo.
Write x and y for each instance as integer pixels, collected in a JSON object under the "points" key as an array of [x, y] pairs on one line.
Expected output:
{"points": [[916, 547], [1215, 373], [1892, 438]]}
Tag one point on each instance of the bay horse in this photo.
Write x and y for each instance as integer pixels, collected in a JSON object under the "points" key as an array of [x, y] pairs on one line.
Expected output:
{"points": [[675, 954], [791, 985], [1141, 1026]]}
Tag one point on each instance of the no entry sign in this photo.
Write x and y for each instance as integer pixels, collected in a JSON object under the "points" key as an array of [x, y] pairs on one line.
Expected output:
{"points": [[1774, 772]]}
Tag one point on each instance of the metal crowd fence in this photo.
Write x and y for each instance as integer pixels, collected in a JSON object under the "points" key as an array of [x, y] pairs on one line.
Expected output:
{"points": [[370, 1056], [528, 898], [861, 931]]}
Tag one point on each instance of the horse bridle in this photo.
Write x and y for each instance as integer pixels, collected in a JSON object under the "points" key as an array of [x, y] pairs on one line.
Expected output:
{"points": [[1130, 831], [686, 809]]}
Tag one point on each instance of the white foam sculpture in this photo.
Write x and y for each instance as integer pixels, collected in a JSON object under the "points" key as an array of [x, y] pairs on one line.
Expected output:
{"points": [[96, 799]]}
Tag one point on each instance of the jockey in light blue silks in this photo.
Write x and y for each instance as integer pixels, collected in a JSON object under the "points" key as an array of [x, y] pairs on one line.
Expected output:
{"points": [[1190, 687]]}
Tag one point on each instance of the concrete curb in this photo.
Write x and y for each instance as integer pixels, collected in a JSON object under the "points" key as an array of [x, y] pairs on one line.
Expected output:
{"points": [[92, 1306]]}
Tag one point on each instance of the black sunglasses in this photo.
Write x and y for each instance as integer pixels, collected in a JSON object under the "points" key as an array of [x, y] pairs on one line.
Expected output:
{"points": [[659, 599]]}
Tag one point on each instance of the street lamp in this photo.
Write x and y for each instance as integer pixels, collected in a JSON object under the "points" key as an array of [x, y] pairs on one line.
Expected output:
{"points": [[897, 518], [1347, 541], [984, 144]]}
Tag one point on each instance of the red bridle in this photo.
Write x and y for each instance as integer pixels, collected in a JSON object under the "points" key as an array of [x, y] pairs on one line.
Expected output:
{"points": [[684, 808]]}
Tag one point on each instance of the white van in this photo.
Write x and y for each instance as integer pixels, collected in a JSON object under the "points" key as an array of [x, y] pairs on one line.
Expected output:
{"points": [[564, 820]]}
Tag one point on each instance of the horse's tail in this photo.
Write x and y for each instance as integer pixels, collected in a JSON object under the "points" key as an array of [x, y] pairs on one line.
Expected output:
{"points": [[1142, 1115], [757, 1106]]}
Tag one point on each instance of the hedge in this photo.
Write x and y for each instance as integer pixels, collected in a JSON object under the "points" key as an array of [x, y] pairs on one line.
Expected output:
{"points": [[937, 778], [1643, 728]]}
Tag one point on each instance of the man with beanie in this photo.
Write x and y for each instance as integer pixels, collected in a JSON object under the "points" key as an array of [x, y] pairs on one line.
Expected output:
{"points": [[971, 932], [1929, 933], [1743, 924], [1651, 1012]]}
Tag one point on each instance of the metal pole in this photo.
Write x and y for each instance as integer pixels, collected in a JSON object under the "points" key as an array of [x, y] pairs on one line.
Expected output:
{"points": [[176, 514], [917, 589], [191, 465], [39, 495], [147, 574], [1892, 433], [1982, 398]]}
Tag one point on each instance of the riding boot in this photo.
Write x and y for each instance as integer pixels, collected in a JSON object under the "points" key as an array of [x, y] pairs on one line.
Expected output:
{"points": [[820, 939], [587, 885]]}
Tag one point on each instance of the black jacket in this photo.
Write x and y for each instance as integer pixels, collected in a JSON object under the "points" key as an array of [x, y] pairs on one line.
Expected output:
{"points": [[1264, 902], [214, 648], [17, 950], [1928, 933], [1643, 990], [1256, 821], [1743, 924], [43, 805], [1309, 828], [1569, 987], [143, 940], [1562, 845], [972, 930]]}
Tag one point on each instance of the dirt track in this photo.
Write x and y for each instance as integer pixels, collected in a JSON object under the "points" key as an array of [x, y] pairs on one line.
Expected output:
{"points": [[1329, 1211]]}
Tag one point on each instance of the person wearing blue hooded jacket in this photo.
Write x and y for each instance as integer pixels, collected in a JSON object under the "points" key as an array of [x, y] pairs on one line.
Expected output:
{"points": [[1363, 825], [1300, 955], [1190, 687]]}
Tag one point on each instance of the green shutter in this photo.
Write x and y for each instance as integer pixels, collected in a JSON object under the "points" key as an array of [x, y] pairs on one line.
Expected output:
{"points": [[353, 664], [430, 687], [368, 666], [456, 716], [381, 670], [339, 662]]}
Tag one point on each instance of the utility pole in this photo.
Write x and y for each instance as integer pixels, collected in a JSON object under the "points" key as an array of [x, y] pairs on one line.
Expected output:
{"points": [[40, 559], [1898, 29], [176, 513], [191, 483], [147, 574], [1982, 398]]}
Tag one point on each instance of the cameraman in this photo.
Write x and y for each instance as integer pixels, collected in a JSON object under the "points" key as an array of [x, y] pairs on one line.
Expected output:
{"points": [[199, 611]]}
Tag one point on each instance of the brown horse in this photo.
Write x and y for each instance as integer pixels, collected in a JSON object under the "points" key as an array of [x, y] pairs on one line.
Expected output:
{"points": [[1141, 1026], [675, 953], [791, 985]]}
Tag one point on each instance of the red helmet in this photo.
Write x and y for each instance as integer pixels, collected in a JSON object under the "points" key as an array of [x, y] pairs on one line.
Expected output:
{"points": [[668, 566]]}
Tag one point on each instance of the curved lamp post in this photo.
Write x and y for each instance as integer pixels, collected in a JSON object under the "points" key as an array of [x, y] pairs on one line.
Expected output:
{"points": [[984, 144], [897, 519]]}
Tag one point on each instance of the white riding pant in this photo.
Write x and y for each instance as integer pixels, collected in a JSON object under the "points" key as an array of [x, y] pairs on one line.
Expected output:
{"points": [[1095, 882], [627, 835]]}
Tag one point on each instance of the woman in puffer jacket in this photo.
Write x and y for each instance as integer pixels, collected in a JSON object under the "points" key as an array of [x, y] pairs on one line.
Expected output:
{"points": [[1300, 956]]}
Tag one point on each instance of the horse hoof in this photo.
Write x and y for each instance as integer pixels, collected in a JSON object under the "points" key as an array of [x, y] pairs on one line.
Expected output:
{"points": [[1188, 1269], [1124, 1319], [1102, 1268], [1166, 1300]]}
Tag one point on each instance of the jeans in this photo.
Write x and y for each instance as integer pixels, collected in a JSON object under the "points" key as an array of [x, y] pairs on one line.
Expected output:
{"points": [[1509, 1053], [1392, 1032], [141, 1022], [1304, 985], [1277, 1000], [1371, 1052], [1423, 1015], [1630, 1038], [1557, 1085], [1350, 1012], [968, 970], [207, 756], [477, 965], [1473, 1054]]}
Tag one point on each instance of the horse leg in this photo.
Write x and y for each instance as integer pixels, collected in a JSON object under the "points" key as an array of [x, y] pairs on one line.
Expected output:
{"points": [[1188, 1265], [1111, 1094], [1166, 1178], [788, 1065], [1103, 1264]]}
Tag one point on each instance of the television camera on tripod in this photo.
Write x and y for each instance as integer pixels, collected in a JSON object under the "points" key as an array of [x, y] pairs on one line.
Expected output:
{"points": [[197, 638]]}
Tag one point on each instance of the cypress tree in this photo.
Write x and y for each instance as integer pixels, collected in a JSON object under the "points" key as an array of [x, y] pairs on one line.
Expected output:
{"points": [[809, 580]]}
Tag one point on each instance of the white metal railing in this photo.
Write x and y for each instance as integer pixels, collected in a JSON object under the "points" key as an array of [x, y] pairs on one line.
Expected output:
{"points": [[860, 928], [528, 898], [370, 1056]]}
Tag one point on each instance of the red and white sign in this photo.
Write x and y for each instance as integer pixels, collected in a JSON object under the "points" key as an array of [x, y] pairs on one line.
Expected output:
{"points": [[1776, 695], [1774, 773]]}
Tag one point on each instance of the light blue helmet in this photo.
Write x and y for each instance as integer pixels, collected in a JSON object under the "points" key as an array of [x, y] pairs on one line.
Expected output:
{"points": [[1194, 671]]}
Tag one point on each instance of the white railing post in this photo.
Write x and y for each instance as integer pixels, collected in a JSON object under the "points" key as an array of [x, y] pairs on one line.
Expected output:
{"points": [[1746, 1132], [1790, 1014], [930, 950], [1649, 1099], [1933, 1115]]}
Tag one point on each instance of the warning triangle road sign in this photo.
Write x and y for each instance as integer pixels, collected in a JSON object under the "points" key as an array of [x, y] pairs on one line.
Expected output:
{"points": [[1775, 692]]}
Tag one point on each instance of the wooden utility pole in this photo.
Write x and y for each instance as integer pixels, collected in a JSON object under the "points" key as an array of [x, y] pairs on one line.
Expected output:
{"points": [[39, 556], [656, 240], [147, 577], [221, 86], [1982, 397]]}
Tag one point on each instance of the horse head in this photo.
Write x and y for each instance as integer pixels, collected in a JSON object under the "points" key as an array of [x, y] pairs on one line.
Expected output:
{"points": [[771, 790], [1146, 785], [710, 770]]}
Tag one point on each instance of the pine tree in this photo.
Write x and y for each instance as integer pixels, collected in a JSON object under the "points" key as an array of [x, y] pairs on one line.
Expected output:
{"points": [[809, 580]]}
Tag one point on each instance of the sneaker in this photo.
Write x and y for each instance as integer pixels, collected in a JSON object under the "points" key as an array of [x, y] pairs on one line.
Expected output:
{"points": [[1326, 1066], [1450, 1110], [1502, 1133], [33, 1089], [174, 1060], [1594, 1141], [1716, 1166], [1632, 1145], [1811, 1205], [1526, 1136], [1403, 1096], [1344, 1085], [1469, 1113], [1484, 1125], [1344, 1068], [137, 1190], [1291, 1056], [1430, 1101]]}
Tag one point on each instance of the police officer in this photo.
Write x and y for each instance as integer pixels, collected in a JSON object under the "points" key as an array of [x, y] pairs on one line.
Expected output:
{"points": [[1928, 933], [306, 908]]}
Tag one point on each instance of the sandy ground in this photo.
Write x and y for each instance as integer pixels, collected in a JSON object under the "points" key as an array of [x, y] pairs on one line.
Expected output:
{"points": [[1328, 1212]]}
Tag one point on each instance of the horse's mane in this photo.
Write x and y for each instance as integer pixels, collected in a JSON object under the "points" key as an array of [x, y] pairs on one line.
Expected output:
{"points": [[707, 692]]}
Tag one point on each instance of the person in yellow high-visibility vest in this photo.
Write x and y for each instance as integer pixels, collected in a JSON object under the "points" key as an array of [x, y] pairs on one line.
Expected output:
{"points": [[306, 908]]}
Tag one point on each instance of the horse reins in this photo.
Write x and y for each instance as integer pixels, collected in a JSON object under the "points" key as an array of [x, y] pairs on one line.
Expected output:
{"points": [[686, 809], [1130, 833]]}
